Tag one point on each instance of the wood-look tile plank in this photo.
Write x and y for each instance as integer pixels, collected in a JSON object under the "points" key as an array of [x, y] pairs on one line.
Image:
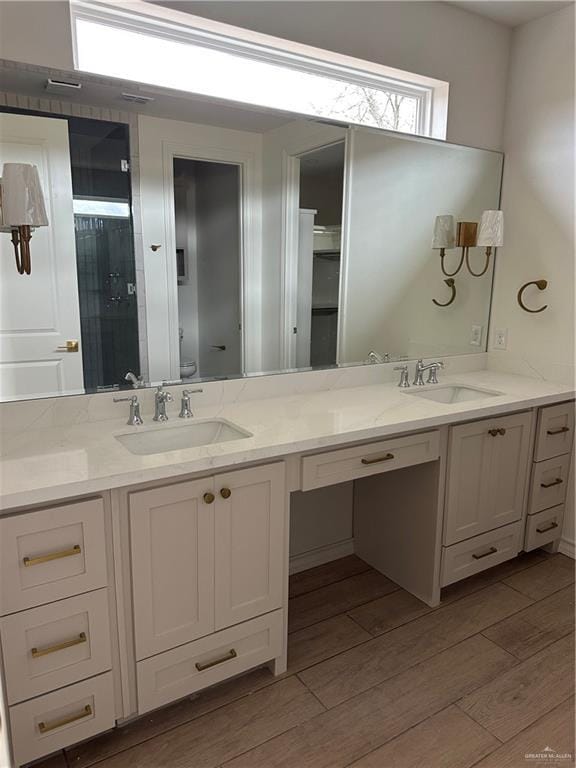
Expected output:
{"points": [[525, 693], [449, 739], [358, 669], [219, 736], [389, 612], [554, 730], [328, 573], [545, 578], [340, 597], [322, 641], [167, 718], [537, 626], [353, 729]]}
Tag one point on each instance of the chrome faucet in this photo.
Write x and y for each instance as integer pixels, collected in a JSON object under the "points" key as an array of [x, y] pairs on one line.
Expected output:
{"points": [[161, 398], [403, 376], [135, 419], [136, 381], [432, 369], [376, 357], [185, 411]]}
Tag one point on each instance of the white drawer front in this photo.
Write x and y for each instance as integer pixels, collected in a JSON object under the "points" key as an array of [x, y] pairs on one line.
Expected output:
{"points": [[371, 459], [549, 483], [55, 645], [475, 555], [51, 554], [191, 667], [58, 719], [543, 527], [555, 431]]}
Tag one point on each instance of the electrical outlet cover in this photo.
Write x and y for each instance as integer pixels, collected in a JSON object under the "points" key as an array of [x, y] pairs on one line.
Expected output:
{"points": [[501, 338], [476, 335]]}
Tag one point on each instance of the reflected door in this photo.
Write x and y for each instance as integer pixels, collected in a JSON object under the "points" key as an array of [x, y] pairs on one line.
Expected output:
{"points": [[39, 313]]}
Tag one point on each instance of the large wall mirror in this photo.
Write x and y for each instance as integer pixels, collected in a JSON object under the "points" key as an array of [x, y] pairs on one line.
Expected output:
{"points": [[191, 239]]}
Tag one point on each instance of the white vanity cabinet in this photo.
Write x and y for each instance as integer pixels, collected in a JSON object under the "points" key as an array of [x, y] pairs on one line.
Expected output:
{"points": [[208, 572], [487, 470], [56, 626], [488, 464]]}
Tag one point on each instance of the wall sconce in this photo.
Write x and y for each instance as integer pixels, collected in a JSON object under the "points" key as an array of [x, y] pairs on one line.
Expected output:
{"points": [[22, 209], [468, 235]]}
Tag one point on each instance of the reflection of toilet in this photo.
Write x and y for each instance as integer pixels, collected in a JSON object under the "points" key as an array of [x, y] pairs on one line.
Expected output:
{"points": [[187, 370]]}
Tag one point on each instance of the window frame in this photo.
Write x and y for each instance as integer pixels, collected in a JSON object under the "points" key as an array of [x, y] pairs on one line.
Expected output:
{"points": [[136, 16]]}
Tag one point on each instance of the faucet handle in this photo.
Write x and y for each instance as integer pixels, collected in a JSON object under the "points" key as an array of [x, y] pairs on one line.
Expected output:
{"points": [[403, 376], [135, 419], [185, 412], [187, 392]]}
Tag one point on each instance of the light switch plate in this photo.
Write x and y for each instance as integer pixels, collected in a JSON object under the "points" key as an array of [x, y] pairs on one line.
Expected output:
{"points": [[501, 338], [476, 335]]}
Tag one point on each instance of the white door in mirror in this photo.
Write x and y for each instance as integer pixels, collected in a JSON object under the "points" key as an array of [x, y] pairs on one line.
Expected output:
{"points": [[40, 319]]}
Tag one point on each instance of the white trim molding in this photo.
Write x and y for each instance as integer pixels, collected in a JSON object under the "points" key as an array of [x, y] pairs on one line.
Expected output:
{"points": [[322, 555]]}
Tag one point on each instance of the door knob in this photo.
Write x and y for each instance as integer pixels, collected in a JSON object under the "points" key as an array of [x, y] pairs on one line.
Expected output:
{"points": [[71, 346], [221, 347], [225, 493], [208, 498]]}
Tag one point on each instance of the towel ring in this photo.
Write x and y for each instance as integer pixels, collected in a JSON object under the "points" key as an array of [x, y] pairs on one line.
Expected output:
{"points": [[451, 283], [541, 285]]}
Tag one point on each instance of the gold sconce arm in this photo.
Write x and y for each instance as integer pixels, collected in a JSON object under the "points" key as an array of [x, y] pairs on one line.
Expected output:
{"points": [[451, 283], [488, 253], [458, 268], [541, 285]]}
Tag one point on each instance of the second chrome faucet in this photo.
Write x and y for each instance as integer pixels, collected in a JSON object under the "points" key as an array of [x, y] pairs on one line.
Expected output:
{"points": [[432, 369]]}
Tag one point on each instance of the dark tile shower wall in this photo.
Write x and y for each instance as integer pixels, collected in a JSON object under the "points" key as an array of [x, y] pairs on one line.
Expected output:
{"points": [[108, 313], [105, 254]]}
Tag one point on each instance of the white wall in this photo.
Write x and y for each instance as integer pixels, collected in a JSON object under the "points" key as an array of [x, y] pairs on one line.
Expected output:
{"points": [[428, 38], [538, 204]]}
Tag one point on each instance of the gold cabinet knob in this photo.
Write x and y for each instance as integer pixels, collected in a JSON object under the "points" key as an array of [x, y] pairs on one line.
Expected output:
{"points": [[225, 493], [208, 498]]}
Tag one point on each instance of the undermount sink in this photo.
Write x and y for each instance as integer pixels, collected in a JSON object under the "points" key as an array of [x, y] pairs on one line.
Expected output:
{"points": [[457, 393], [175, 438]]}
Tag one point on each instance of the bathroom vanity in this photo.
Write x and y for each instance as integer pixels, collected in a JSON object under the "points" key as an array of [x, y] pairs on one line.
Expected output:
{"points": [[130, 580]]}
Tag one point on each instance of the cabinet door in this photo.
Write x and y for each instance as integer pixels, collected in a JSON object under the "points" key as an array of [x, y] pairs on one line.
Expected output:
{"points": [[249, 543], [172, 546], [487, 472]]}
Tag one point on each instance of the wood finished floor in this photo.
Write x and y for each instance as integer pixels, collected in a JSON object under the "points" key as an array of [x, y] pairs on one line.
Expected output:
{"points": [[377, 679]]}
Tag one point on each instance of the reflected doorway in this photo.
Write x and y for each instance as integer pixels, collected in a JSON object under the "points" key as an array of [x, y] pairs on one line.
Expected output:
{"points": [[207, 212], [321, 183]]}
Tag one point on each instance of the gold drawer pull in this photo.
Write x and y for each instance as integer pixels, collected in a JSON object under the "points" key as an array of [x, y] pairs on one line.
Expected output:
{"points": [[37, 652], [499, 431], [557, 431], [548, 528], [491, 551], [377, 460], [557, 481], [28, 561], [227, 657], [225, 493], [46, 727], [208, 498]]}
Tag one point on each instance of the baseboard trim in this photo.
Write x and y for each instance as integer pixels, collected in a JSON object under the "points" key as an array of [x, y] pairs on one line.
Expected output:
{"points": [[567, 548], [321, 555]]}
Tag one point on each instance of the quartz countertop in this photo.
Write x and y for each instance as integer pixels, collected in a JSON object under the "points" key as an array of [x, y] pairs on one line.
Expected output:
{"points": [[41, 465]]}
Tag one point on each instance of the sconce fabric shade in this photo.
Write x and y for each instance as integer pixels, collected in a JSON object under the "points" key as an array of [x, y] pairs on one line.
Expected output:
{"points": [[491, 232], [22, 200], [443, 232]]}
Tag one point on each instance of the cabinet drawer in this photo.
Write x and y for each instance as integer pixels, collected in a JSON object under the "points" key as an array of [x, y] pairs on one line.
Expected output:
{"points": [[543, 527], [371, 459], [555, 431], [475, 555], [51, 554], [58, 719], [55, 645], [181, 671], [549, 483]]}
